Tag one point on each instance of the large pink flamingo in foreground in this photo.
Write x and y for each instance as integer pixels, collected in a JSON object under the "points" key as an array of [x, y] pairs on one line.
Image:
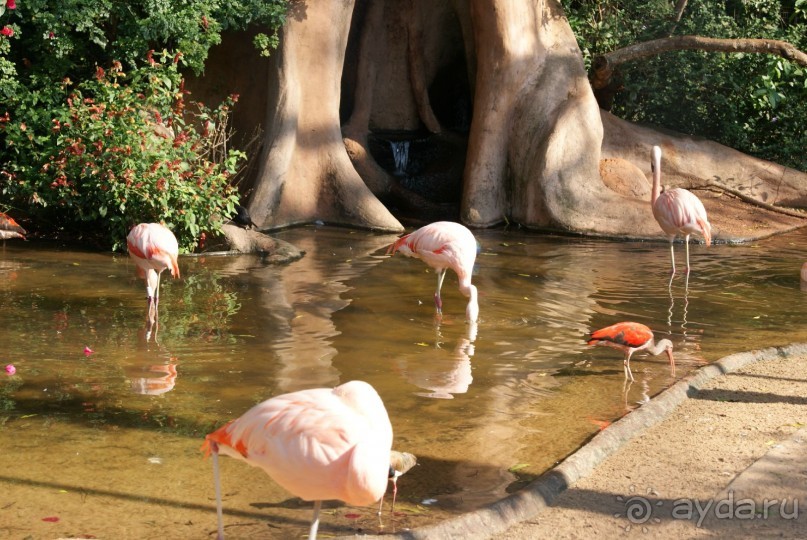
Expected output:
{"points": [[677, 211], [443, 245], [10, 228], [319, 444], [154, 248], [630, 337]]}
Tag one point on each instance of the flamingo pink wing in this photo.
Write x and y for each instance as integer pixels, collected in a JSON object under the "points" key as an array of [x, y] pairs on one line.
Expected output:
{"points": [[678, 210], [314, 445]]}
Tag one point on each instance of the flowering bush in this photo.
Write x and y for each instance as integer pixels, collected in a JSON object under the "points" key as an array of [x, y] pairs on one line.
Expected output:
{"points": [[96, 135], [119, 149]]}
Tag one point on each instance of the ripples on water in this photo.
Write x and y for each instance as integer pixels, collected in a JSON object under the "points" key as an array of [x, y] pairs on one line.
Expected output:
{"points": [[108, 443]]}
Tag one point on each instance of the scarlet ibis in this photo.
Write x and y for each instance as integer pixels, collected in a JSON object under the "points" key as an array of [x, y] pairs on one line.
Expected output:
{"points": [[630, 337]]}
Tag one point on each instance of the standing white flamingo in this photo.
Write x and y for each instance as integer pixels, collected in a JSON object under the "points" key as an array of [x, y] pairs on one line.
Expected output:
{"points": [[677, 211], [154, 248], [443, 245]]}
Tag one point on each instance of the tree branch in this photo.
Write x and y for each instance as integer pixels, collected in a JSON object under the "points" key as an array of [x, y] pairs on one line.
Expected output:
{"points": [[604, 66]]}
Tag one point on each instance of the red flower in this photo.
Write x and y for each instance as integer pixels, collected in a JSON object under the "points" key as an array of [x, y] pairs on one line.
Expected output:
{"points": [[150, 58], [7, 31], [11, 4], [99, 73]]}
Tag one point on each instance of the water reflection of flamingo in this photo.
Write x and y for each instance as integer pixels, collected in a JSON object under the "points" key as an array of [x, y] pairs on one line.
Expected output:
{"points": [[154, 248], [319, 444], [10, 228], [155, 386], [443, 377], [677, 211], [443, 245], [630, 337]]}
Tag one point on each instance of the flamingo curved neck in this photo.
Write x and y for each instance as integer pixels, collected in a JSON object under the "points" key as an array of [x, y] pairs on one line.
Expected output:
{"points": [[472, 310], [656, 165], [659, 347]]}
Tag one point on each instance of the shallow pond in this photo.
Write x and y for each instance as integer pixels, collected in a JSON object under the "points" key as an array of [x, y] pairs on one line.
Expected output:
{"points": [[106, 443]]}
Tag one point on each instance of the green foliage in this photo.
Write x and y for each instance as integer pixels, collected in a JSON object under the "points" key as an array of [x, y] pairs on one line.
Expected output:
{"points": [[96, 134], [752, 102], [120, 149]]}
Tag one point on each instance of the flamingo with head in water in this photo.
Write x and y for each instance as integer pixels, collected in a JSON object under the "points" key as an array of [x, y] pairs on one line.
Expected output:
{"points": [[443, 245], [319, 444], [154, 248], [677, 211], [10, 228], [630, 337]]}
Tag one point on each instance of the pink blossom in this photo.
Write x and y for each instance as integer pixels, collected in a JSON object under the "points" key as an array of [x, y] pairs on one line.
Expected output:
{"points": [[10, 369], [11, 4], [88, 351], [7, 31]]}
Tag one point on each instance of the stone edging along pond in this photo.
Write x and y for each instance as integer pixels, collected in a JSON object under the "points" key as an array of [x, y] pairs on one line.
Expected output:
{"points": [[540, 494]]}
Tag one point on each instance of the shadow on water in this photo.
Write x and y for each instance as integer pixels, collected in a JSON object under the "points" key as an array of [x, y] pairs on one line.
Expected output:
{"points": [[487, 408]]}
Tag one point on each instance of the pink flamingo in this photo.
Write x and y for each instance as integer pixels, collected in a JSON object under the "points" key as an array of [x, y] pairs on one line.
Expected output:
{"points": [[677, 211], [443, 245], [630, 337], [10, 228], [154, 248], [319, 444]]}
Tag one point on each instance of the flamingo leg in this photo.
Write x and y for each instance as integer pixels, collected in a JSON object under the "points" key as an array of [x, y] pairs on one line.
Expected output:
{"points": [[217, 481], [394, 494], [626, 365], [157, 296], [438, 302], [686, 239], [672, 257], [312, 533]]}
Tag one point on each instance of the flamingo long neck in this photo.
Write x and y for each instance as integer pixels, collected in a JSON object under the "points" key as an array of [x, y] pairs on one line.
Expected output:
{"points": [[656, 163], [659, 347], [472, 309]]}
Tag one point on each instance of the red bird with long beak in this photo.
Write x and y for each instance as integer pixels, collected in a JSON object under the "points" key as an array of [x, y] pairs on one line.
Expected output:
{"points": [[630, 337]]}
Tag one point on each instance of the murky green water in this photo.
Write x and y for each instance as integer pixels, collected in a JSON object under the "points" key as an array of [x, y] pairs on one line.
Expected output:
{"points": [[107, 445]]}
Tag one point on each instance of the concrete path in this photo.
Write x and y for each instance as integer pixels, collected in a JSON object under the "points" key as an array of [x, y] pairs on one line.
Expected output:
{"points": [[722, 453]]}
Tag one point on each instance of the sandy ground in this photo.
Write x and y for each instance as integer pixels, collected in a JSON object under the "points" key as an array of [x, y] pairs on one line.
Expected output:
{"points": [[694, 475]]}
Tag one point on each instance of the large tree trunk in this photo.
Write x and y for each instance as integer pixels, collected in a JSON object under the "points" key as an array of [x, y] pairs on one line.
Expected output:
{"points": [[537, 129], [502, 121], [305, 173]]}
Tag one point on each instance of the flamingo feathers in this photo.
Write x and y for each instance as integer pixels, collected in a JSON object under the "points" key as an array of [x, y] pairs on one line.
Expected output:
{"points": [[624, 333], [679, 211], [316, 444], [10, 228]]}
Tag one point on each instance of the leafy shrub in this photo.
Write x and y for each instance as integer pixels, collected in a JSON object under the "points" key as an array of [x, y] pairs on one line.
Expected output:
{"points": [[752, 102], [116, 150], [88, 151]]}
